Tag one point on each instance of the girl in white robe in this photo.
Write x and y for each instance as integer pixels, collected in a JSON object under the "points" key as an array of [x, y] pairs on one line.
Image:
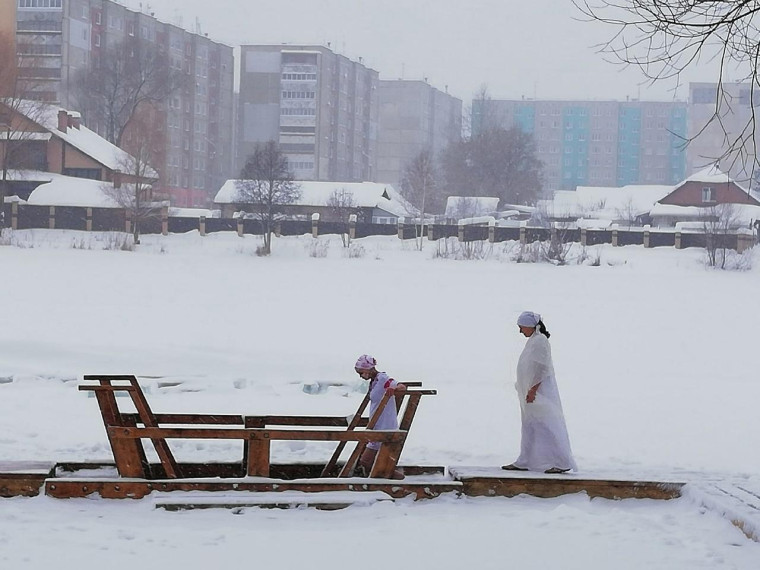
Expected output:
{"points": [[545, 445]]}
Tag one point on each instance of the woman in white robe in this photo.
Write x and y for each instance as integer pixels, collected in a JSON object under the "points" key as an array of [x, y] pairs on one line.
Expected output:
{"points": [[545, 445]]}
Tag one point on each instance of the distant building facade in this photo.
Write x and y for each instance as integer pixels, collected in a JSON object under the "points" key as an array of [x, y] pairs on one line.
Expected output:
{"points": [[709, 134], [321, 107], [60, 37], [414, 117], [596, 143]]}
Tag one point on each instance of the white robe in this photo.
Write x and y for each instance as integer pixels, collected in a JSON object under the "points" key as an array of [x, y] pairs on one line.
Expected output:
{"points": [[545, 443]]}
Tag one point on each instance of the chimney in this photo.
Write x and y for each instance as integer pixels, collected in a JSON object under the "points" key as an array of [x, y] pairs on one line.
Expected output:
{"points": [[63, 120], [117, 178], [75, 120]]}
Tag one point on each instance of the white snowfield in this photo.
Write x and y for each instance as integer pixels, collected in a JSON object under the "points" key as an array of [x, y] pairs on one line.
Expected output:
{"points": [[655, 356]]}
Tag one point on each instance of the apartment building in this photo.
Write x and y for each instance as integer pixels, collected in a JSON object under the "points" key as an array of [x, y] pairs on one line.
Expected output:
{"points": [[716, 126], [414, 117], [58, 38], [320, 106], [596, 143]]}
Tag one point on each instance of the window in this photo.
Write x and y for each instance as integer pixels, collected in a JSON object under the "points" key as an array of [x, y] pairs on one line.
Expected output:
{"points": [[98, 20], [708, 194], [703, 95], [39, 3]]}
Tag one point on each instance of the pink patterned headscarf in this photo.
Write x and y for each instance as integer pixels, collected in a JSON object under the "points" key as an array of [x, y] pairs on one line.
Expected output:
{"points": [[365, 362]]}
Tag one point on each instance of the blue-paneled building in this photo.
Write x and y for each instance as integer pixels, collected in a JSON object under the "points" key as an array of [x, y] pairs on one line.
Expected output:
{"points": [[597, 143]]}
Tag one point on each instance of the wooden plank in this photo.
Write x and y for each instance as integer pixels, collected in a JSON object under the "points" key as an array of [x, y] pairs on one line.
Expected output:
{"points": [[258, 458], [288, 471], [350, 465], [136, 489], [129, 455], [555, 487], [180, 433], [203, 419], [302, 421], [255, 433], [355, 421], [23, 479], [325, 500], [149, 420], [107, 388], [386, 460]]}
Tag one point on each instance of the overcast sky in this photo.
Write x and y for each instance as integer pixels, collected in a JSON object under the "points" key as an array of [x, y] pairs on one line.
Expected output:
{"points": [[528, 48]]}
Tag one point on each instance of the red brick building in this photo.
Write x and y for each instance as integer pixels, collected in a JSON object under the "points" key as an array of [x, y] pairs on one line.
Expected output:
{"points": [[709, 187]]}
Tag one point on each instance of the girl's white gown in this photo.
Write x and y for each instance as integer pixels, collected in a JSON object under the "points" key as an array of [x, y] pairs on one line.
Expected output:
{"points": [[545, 443]]}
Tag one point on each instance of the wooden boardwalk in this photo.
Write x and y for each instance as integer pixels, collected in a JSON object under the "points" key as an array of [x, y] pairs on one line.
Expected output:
{"points": [[67, 480], [300, 485]]}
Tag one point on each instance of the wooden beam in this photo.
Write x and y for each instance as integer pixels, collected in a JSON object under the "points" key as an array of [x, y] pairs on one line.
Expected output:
{"points": [[333, 461], [256, 433], [135, 489], [258, 458], [562, 485]]}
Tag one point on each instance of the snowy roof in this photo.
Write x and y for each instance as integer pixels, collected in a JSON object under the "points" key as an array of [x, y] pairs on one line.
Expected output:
{"points": [[710, 175], [82, 138], [316, 193], [608, 203], [31, 175], [70, 191], [470, 206], [742, 213]]}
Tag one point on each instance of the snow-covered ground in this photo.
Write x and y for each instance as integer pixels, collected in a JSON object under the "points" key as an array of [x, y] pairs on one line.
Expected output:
{"points": [[656, 360]]}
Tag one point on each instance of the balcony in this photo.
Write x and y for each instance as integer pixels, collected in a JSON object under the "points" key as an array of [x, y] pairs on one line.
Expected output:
{"points": [[40, 26]]}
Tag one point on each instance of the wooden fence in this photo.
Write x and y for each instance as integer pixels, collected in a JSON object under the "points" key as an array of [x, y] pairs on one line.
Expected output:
{"points": [[25, 216]]}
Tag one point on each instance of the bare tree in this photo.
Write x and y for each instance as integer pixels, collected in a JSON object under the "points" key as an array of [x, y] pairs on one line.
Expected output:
{"points": [[266, 183], [419, 187], [496, 162], [627, 212], [127, 75], [132, 187], [664, 38], [20, 145], [462, 207], [341, 205], [717, 223]]}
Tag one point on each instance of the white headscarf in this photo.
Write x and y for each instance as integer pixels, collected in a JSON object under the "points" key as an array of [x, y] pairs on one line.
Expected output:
{"points": [[528, 319]]}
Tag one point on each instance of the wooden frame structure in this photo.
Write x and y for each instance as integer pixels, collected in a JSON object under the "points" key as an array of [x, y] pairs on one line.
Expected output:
{"points": [[127, 430]]}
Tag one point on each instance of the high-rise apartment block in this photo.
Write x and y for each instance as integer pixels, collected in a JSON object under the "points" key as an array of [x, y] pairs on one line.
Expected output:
{"points": [[321, 107], [596, 143], [414, 117], [720, 129], [58, 38]]}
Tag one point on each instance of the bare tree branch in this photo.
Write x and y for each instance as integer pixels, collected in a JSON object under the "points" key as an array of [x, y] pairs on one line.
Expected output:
{"points": [[126, 76], [664, 38], [266, 183]]}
